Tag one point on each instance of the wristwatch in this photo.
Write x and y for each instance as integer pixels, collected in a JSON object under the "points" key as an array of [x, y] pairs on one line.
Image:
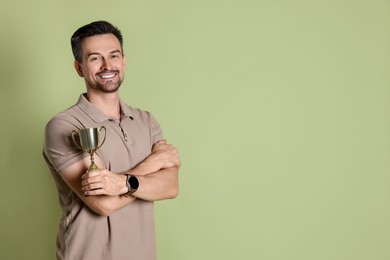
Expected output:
{"points": [[132, 183]]}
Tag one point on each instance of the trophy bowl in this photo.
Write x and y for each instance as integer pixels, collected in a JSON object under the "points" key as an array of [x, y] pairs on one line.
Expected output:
{"points": [[88, 140]]}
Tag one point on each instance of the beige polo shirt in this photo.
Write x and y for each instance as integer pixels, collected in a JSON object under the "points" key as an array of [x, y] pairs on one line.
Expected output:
{"points": [[129, 233]]}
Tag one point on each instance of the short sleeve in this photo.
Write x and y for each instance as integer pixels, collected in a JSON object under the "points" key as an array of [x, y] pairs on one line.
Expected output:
{"points": [[156, 131], [59, 149]]}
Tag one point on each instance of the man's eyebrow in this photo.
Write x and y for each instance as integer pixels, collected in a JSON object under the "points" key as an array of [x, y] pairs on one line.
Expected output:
{"points": [[97, 53], [93, 53], [116, 51]]}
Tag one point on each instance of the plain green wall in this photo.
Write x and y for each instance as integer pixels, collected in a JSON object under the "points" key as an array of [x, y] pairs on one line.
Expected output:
{"points": [[280, 110]]}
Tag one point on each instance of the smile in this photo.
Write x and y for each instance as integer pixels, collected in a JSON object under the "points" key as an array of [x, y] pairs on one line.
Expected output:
{"points": [[107, 75]]}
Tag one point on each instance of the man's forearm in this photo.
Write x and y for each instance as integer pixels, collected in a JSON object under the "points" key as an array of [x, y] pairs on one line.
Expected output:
{"points": [[157, 176], [159, 185], [144, 168], [105, 205]]}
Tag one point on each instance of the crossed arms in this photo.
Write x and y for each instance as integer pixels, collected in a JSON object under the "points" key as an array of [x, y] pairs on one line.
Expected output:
{"points": [[102, 190]]}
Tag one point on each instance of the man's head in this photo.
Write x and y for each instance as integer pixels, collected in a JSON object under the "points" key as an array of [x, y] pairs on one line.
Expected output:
{"points": [[94, 28], [99, 59]]}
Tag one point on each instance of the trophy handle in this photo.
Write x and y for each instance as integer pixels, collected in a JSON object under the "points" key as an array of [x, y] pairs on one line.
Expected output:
{"points": [[74, 140], [104, 138]]}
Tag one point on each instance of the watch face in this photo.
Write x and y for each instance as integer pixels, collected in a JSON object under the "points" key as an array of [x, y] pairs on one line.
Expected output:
{"points": [[133, 181]]}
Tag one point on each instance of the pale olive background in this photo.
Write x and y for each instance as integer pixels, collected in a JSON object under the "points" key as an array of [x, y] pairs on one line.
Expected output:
{"points": [[280, 111]]}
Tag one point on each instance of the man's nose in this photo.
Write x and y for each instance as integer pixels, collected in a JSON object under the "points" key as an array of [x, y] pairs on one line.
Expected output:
{"points": [[106, 64]]}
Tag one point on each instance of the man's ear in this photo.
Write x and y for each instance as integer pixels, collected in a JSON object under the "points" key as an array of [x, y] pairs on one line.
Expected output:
{"points": [[78, 68]]}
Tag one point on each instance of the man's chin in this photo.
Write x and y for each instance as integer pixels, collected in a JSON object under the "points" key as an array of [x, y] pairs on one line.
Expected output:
{"points": [[108, 88]]}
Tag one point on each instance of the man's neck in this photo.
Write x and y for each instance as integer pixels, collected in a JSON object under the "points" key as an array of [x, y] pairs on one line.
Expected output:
{"points": [[108, 103]]}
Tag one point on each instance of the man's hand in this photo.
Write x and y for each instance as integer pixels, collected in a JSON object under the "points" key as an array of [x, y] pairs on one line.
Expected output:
{"points": [[165, 154], [103, 182]]}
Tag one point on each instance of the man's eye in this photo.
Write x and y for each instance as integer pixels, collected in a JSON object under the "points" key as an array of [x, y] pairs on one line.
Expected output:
{"points": [[94, 59], [115, 56]]}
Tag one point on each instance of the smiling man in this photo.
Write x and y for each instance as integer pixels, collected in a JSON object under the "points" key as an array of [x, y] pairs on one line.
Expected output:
{"points": [[108, 213]]}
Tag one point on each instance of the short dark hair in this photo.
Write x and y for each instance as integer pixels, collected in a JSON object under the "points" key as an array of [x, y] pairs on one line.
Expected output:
{"points": [[94, 28]]}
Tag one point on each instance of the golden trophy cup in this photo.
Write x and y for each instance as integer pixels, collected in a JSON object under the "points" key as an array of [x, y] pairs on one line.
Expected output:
{"points": [[88, 140]]}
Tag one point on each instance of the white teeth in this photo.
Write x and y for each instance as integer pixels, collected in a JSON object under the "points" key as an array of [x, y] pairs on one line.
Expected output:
{"points": [[107, 76]]}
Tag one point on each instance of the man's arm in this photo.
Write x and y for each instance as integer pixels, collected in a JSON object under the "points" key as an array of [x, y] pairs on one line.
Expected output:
{"points": [[102, 205], [157, 175], [159, 185], [161, 180]]}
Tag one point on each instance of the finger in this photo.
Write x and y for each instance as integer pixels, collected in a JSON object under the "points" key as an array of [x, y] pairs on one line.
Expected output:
{"points": [[91, 186], [165, 148], [90, 174], [93, 192], [159, 143], [163, 141], [92, 180]]}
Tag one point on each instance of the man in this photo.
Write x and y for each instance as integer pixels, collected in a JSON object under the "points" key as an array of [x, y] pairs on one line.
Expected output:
{"points": [[108, 213]]}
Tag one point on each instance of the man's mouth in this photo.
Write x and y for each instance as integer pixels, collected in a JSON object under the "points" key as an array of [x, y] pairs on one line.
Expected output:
{"points": [[107, 75]]}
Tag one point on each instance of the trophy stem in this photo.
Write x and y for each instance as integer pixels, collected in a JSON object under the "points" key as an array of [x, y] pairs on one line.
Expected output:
{"points": [[93, 166]]}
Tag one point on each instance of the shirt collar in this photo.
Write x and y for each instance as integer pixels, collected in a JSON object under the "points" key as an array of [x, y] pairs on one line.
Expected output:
{"points": [[96, 114]]}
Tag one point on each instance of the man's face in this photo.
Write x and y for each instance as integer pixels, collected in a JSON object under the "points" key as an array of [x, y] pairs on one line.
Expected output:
{"points": [[103, 63]]}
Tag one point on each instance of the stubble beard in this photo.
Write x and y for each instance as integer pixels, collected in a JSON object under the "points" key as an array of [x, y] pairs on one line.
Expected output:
{"points": [[109, 87]]}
